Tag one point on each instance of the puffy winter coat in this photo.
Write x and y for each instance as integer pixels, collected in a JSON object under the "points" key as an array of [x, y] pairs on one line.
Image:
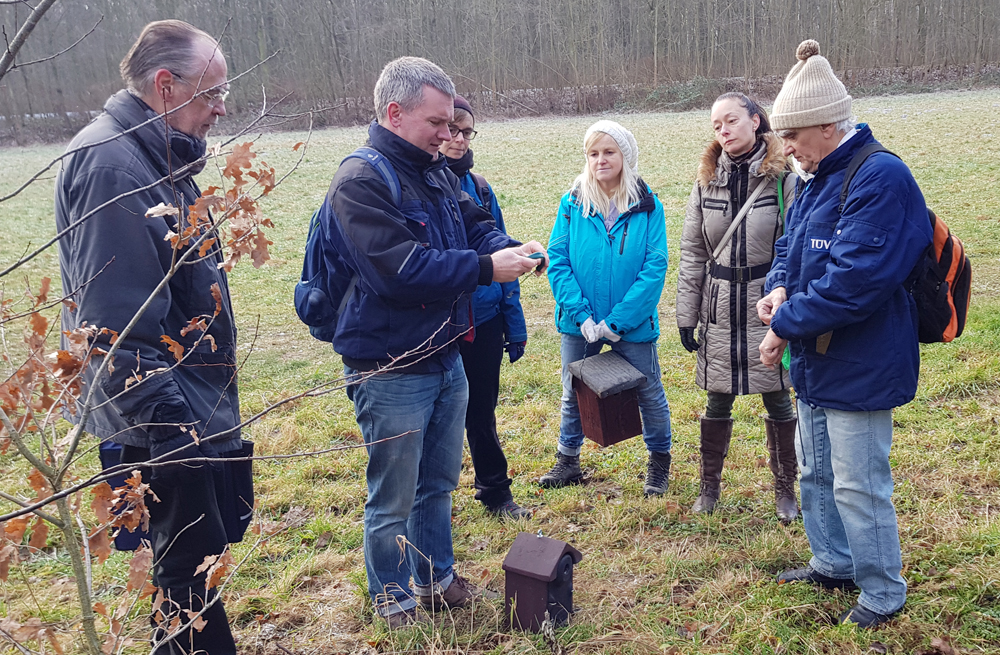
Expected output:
{"points": [[850, 323], [118, 256], [418, 264], [615, 276], [721, 299]]}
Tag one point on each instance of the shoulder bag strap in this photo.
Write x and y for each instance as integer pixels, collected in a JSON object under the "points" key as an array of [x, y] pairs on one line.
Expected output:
{"points": [[739, 218]]}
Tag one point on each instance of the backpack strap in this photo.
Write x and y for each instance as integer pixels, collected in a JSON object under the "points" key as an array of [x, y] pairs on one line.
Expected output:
{"points": [[483, 189], [859, 158], [384, 168]]}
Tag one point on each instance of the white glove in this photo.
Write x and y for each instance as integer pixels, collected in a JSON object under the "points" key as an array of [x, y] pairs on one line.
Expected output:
{"points": [[590, 331], [604, 332]]}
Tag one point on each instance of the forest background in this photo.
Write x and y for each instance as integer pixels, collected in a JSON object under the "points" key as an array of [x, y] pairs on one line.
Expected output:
{"points": [[511, 57]]}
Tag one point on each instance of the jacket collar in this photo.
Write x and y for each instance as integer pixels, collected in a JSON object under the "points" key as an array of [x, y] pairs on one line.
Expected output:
{"points": [[130, 112], [402, 153], [646, 202], [841, 157], [768, 160]]}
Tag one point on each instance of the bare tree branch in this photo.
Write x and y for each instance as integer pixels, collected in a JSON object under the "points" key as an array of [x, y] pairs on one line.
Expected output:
{"points": [[29, 25], [61, 52]]}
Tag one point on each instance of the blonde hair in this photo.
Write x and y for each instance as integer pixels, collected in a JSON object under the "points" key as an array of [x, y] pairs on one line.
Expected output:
{"points": [[589, 193]]}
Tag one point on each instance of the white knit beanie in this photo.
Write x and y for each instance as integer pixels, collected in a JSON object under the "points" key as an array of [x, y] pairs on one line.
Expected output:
{"points": [[811, 94], [624, 139]]}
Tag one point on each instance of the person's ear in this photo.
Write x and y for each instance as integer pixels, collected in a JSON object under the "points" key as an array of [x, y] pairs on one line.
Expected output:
{"points": [[394, 114], [165, 84], [756, 122]]}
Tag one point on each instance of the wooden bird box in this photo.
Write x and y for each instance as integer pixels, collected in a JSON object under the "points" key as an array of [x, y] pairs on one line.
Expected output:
{"points": [[539, 578], [606, 391]]}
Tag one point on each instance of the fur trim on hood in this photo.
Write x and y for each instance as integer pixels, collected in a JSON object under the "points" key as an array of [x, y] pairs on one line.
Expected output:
{"points": [[714, 171]]}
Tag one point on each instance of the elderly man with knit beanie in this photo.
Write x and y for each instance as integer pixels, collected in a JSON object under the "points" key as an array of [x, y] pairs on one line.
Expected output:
{"points": [[836, 296]]}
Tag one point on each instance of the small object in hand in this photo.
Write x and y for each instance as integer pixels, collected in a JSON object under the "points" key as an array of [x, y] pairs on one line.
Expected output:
{"points": [[537, 255]]}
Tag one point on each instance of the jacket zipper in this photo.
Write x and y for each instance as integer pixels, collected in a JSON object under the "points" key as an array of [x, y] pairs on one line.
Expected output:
{"points": [[621, 246]]}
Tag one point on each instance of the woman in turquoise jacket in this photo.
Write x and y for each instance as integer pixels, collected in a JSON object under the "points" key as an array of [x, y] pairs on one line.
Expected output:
{"points": [[607, 262]]}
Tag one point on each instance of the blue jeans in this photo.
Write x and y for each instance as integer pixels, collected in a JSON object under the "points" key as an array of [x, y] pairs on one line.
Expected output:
{"points": [[847, 509], [410, 479], [652, 400]]}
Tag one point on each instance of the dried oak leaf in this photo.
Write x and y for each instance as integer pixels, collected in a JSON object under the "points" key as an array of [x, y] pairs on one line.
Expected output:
{"points": [[196, 323], [259, 254], [8, 555], [197, 622], [237, 160], [206, 246], [176, 349], [39, 534], [38, 483], [138, 569], [14, 529], [39, 324], [100, 544], [43, 293], [217, 296], [298, 145], [162, 210], [104, 501]]}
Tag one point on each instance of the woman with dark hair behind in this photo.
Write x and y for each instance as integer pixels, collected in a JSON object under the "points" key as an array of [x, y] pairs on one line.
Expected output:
{"points": [[721, 278]]}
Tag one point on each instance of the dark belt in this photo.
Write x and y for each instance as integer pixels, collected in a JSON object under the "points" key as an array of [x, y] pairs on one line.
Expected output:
{"points": [[740, 274]]}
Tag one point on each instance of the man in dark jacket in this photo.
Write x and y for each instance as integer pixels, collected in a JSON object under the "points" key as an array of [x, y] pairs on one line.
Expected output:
{"points": [[837, 297], [417, 264], [121, 165]]}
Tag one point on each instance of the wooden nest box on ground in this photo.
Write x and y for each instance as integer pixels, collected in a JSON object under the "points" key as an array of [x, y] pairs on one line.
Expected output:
{"points": [[606, 387], [539, 579]]}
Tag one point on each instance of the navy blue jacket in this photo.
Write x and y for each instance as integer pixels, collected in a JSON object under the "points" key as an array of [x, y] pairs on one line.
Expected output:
{"points": [[418, 264], [496, 298], [845, 274], [118, 256]]}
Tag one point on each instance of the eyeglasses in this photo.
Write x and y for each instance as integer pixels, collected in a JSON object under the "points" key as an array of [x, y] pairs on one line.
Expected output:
{"points": [[213, 96], [468, 132]]}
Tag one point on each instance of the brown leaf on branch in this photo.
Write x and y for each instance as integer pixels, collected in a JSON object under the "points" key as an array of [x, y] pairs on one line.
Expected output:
{"points": [[196, 323], [218, 570], [298, 145], [206, 246], [198, 623], [104, 502], [14, 529], [200, 211], [265, 178], [43, 294], [176, 349], [100, 544], [34, 630], [38, 483], [217, 296], [8, 556], [237, 160], [133, 512], [39, 324], [138, 569], [39, 534], [260, 255], [162, 210]]}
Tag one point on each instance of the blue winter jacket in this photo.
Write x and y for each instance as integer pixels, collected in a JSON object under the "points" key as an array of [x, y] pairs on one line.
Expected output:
{"points": [[497, 297], [614, 277], [418, 264], [844, 274]]}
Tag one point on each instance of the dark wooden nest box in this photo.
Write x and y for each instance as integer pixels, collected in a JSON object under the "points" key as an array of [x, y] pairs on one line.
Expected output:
{"points": [[606, 387], [539, 578]]}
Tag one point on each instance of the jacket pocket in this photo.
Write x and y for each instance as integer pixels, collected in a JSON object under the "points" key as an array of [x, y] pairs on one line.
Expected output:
{"points": [[713, 303], [417, 219]]}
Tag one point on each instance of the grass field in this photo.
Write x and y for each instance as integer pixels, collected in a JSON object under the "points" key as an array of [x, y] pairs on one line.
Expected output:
{"points": [[654, 578]]}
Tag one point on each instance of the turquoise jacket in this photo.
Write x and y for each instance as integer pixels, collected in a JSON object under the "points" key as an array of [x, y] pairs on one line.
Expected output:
{"points": [[615, 277]]}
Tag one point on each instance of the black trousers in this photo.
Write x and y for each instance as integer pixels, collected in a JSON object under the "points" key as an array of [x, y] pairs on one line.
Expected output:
{"points": [[185, 526], [481, 360], [777, 403]]}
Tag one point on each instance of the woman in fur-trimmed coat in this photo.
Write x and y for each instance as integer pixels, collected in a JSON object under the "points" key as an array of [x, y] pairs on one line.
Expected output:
{"points": [[717, 299]]}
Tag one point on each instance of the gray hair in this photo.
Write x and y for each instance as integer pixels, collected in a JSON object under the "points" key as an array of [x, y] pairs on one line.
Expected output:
{"points": [[403, 80], [846, 125], [168, 44]]}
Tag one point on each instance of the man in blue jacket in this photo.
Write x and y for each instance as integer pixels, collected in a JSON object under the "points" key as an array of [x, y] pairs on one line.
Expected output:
{"points": [[418, 263], [114, 255], [837, 298]]}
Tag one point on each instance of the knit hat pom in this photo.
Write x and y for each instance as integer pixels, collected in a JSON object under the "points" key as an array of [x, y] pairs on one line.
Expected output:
{"points": [[807, 49]]}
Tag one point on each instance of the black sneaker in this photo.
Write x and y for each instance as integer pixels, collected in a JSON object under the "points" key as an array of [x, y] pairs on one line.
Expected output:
{"points": [[865, 618], [566, 471], [813, 576], [509, 510]]}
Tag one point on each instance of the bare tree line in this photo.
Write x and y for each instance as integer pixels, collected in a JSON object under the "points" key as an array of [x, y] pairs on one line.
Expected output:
{"points": [[334, 49]]}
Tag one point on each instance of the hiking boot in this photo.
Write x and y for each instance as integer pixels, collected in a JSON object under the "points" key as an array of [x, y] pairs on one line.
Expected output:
{"points": [[865, 618], [657, 474], [566, 471], [459, 593], [715, 436], [405, 619], [784, 466], [812, 576], [509, 510]]}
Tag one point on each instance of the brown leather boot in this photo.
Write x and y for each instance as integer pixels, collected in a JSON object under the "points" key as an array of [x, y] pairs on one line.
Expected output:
{"points": [[784, 466], [715, 436]]}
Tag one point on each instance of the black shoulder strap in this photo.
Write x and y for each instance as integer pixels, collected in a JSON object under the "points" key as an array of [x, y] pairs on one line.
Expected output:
{"points": [[859, 158], [483, 188]]}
